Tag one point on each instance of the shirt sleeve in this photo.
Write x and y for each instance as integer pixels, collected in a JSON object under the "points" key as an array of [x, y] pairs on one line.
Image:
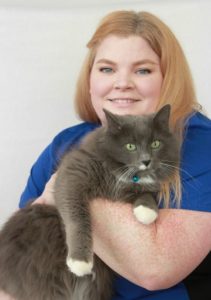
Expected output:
{"points": [[40, 173], [196, 192], [196, 166], [49, 159]]}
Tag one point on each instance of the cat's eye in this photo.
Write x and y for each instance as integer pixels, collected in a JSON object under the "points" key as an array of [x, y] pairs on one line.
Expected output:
{"points": [[155, 144], [130, 147]]}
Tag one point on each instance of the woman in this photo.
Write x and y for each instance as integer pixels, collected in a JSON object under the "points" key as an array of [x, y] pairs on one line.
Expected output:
{"points": [[134, 66]]}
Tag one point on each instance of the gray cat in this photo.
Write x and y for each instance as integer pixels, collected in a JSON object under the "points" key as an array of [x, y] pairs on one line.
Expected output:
{"points": [[46, 252]]}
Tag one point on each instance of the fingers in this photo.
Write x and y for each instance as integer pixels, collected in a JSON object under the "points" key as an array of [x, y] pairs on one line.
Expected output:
{"points": [[4, 296], [47, 196], [39, 200]]}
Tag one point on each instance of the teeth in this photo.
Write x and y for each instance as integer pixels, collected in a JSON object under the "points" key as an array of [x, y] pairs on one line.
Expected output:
{"points": [[123, 100]]}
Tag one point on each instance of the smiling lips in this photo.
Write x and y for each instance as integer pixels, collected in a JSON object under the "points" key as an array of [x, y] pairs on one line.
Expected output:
{"points": [[123, 100]]}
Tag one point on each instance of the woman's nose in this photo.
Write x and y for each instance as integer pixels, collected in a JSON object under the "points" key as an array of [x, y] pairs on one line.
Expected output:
{"points": [[123, 82]]}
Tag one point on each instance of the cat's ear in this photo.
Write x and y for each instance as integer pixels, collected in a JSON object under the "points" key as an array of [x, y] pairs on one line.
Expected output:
{"points": [[113, 122], [161, 118]]}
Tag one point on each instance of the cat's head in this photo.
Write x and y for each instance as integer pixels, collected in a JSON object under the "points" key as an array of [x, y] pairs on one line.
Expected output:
{"points": [[140, 148]]}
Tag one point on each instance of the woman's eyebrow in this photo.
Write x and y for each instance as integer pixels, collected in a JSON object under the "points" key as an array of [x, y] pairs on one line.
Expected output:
{"points": [[139, 62], [145, 61], [105, 61]]}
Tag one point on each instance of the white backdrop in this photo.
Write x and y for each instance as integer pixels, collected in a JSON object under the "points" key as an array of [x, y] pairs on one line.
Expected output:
{"points": [[41, 50]]}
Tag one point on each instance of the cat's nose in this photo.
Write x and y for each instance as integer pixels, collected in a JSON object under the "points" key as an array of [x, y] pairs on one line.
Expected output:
{"points": [[146, 162]]}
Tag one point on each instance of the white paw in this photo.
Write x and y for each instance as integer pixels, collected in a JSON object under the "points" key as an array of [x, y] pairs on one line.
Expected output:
{"points": [[145, 214], [79, 267]]}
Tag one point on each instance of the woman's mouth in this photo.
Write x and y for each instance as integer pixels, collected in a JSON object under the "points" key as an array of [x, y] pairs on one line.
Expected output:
{"points": [[123, 100]]}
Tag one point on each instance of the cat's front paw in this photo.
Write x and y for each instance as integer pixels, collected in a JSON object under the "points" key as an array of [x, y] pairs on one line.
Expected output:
{"points": [[145, 215], [79, 267]]}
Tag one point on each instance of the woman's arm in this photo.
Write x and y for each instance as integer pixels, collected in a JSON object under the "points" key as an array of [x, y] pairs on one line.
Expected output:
{"points": [[154, 256]]}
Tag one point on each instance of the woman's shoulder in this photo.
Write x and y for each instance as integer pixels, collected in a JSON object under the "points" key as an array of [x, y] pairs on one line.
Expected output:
{"points": [[198, 121], [197, 131], [47, 162], [70, 136], [73, 133]]}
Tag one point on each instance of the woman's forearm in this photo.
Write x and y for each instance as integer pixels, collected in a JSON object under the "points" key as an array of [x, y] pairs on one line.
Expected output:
{"points": [[154, 256], [116, 238]]}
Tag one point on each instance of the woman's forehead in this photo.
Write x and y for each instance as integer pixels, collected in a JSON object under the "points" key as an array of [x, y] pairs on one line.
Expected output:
{"points": [[134, 48]]}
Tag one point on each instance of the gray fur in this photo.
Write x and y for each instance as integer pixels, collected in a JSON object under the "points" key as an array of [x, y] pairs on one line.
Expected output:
{"points": [[32, 260], [36, 241]]}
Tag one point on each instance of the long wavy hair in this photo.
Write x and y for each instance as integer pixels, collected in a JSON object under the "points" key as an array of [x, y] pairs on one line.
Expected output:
{"points": [[177, 87]]}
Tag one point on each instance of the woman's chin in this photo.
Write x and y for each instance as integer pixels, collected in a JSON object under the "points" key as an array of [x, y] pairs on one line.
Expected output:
{"points": [[123, 108]]}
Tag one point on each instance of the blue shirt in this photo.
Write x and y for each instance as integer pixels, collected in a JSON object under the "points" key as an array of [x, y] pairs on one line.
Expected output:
{"points": [[196, 195]]}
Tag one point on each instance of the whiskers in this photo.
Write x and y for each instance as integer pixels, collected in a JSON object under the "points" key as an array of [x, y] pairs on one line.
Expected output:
{"points": [[123, 176], [170, 168]]}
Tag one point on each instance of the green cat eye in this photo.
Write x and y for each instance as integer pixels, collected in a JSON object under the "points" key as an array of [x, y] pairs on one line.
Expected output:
{"points": [[155, 144], [130, 147]]}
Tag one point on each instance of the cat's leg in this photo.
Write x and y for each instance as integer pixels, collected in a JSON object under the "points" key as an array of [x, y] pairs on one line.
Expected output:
{"points": [[101, 288], [145, 208], [78, 238]]}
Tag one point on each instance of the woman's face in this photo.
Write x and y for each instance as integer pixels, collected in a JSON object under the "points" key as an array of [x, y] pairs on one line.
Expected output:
{"points": [[126, 77]]}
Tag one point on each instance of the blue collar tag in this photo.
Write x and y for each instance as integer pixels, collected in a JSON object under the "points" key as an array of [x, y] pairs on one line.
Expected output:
{"points": [[136, 179]]}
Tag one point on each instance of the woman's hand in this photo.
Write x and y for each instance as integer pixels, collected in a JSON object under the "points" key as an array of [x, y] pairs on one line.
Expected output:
{"points": [[47, 196]]}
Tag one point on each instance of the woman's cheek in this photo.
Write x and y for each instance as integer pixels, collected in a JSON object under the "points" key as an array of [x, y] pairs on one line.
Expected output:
{"points": [[150, 87]]}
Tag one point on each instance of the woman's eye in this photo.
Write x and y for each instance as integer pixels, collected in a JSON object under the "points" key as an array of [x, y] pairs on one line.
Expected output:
{"points": [[130, 147], [106, 70], [143, 71]]}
